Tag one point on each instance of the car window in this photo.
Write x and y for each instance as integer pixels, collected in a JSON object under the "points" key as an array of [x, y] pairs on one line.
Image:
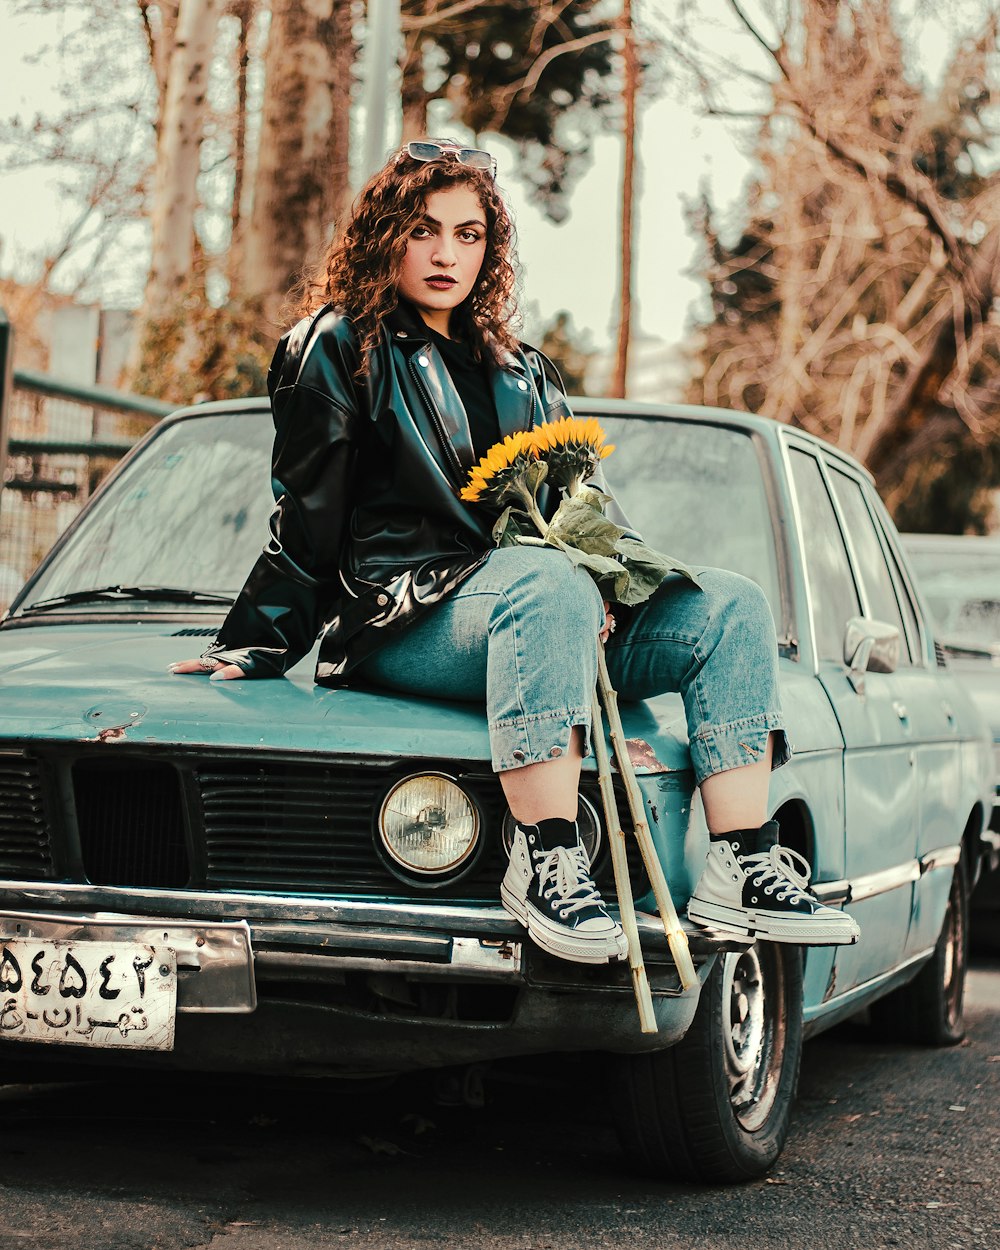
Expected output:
{"points": [[876, 580], [828, 569], [696, 491], [962, 589], [190, 511]]}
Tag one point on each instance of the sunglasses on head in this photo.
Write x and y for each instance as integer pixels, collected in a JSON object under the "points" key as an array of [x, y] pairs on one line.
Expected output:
{"points": [[473, 158]]}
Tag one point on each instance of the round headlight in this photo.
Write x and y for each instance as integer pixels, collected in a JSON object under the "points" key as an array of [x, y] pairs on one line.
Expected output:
{"points": [[587, 819], [428, 824]]}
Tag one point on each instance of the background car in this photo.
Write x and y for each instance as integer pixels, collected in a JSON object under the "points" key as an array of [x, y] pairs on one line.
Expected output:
{"points": [[959, 576], [298, 879]]}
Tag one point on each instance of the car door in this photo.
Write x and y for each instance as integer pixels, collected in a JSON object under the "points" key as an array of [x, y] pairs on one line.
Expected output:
{"points": [[922, 690], [880, 776]]}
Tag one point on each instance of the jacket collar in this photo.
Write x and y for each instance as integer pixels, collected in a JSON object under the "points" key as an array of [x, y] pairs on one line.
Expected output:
{"points": [[511, 384]]}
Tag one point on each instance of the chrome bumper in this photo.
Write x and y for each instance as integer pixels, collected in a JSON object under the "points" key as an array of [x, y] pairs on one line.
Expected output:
{"points": [[239, 939]]}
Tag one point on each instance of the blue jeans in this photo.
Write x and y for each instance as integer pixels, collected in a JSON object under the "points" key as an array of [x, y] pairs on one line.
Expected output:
{"points": [[522, 633]]}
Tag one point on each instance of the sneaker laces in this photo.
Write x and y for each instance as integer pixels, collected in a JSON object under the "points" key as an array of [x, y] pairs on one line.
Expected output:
{"points": [[568, 870], [779, 867]]}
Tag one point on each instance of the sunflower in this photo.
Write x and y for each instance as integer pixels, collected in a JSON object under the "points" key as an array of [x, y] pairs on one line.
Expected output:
{"points": [[572, 447], [499, 474]]}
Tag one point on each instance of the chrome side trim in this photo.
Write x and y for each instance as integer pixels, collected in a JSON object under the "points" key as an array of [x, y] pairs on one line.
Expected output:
{"points": [[214, 961], [882, 882], [943, 857], [833, 893], [869, 886]]}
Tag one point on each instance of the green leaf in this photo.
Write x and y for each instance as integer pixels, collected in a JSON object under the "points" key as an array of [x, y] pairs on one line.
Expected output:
{"points": [[647, 569], [595, 498], [509, 527], [579, 524], [534, 475], [611, 576]]}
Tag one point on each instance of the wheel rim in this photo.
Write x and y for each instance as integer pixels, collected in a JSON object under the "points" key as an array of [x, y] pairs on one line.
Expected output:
{"points": [[953, 965], [754, 1032]]}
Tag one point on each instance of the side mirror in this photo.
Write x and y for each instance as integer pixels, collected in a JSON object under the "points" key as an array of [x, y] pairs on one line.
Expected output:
{"points": [[870, 646]]}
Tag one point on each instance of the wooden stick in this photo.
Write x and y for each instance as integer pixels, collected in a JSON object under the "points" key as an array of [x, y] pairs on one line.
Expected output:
{"points": [[619, 860], [676, 937]]}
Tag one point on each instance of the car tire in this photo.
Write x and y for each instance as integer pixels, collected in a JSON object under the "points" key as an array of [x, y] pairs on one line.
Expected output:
{"points": [[929, 1010], [716, 1106]]}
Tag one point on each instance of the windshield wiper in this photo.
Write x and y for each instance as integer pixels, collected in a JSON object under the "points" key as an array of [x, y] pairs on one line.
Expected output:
{"points": [[165, 594]]}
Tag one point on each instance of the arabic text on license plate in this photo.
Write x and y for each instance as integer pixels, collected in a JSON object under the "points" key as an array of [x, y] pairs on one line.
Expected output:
{"points": [[103, 994]]}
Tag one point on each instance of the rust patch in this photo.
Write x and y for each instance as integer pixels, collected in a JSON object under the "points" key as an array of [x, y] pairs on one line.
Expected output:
{"points": [[642, 757], [114, 733]]}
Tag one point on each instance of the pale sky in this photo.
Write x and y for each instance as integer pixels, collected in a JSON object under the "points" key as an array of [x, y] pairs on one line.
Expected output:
{"points": [[571, 266]]}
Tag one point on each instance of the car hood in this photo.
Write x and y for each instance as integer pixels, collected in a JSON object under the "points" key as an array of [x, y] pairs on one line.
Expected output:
{"points": [[110, 684]]}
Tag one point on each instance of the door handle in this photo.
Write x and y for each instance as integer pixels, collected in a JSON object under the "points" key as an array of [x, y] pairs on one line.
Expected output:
{"points": [[900, 710]]}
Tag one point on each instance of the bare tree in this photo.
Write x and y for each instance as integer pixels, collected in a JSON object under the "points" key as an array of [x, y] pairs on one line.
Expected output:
{"points": [[301, 180], [619, 381], [858, 301], [178, 154]]}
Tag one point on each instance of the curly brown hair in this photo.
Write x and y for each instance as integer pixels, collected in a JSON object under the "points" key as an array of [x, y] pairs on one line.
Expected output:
{"points": [[360, 271]]}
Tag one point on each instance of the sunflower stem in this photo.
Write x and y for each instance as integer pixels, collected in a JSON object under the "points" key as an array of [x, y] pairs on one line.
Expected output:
{"points": [[619, 861], [676, 937]]}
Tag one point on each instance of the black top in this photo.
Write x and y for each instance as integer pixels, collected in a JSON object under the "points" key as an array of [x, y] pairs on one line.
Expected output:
{"points": [[472, 381]]}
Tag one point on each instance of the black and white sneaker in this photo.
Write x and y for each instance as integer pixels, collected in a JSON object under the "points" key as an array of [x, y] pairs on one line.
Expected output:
{"points": [[754, 887], [549, 889]]}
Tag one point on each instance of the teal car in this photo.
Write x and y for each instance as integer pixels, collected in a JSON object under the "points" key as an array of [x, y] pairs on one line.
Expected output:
{"points": [[229, 876], [959, 576]]}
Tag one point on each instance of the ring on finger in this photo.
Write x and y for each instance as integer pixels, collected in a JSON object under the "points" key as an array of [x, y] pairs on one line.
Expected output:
{"points": [[209, 664]]}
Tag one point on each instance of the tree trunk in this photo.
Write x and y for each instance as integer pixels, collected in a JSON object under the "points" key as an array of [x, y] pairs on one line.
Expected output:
{"points": [[161, 46], [177, 166], [414, 94], [243, 11], [619, 381], [301, 176]]}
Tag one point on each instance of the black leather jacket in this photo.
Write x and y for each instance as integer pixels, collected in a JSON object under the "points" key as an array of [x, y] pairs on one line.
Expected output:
{"points": [[368, 530]]}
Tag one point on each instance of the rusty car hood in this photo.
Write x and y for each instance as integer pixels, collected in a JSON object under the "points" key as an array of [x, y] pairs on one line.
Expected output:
{"points": [[109, 683]]}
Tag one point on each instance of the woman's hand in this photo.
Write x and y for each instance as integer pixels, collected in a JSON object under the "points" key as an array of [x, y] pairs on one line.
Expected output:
{"points": [[208, 668], [609, 623]]}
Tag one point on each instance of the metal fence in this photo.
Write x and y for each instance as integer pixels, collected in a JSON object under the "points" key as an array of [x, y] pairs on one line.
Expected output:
{"points": [[57, 442]]}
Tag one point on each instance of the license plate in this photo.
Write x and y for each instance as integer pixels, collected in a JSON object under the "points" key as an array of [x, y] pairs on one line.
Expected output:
{"points": [[101, 994]]}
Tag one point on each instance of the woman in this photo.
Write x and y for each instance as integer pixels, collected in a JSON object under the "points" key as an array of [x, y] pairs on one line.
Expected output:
{"points": [[383, 399]]}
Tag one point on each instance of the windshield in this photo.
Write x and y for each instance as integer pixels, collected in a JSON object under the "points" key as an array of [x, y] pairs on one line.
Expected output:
{"points": [[962, 589], [696, 491], [192, 510]]}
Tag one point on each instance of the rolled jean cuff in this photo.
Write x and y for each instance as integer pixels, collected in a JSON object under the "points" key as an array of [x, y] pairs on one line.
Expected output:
{"points": [[718, 748], [522, 740]]}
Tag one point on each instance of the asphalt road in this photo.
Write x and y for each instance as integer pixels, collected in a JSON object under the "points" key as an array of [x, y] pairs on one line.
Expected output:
{"points": [[891, 1146]]}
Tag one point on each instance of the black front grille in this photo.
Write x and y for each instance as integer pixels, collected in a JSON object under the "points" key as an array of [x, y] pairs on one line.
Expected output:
{"points": [[275, 825], [25, 851], [130, 817], [308, 828]]}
